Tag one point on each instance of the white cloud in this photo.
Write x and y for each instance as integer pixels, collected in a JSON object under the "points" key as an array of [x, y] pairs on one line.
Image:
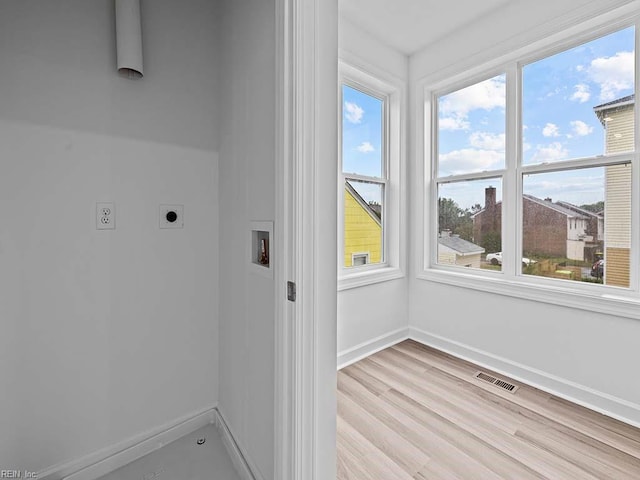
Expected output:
{"points": [[365, 147], [453, 123], [580, 128], [488, 141], [573, 187], [469, 160], [612, 74], [550, 130], [582, 93], [455, 107], [553, 93], [549, 153], [353, 112]]}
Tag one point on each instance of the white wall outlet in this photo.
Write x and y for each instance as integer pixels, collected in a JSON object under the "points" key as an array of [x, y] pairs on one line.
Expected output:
{"points": [[171, 216], [105, 216]]}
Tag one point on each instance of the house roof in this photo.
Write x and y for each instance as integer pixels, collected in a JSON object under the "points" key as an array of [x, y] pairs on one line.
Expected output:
{"points": [[628, 100], [601, 110], [454, 242], [579, 210], [375, 215], [569, 212], [564, 208]]}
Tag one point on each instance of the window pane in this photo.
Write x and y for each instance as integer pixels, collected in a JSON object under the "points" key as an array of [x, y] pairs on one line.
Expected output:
{"points": [[360, 259], [363, 232], [471, 128], [577, 224], [571, 98], [470, 224], [362, 133]]}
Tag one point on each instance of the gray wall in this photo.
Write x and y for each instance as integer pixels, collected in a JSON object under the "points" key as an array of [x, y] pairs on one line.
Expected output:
{"points": [[247, 193], [105, 334], [374, 311]]}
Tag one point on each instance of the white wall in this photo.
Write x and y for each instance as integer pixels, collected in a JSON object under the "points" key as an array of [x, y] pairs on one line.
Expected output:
{"points": [[369, 316], [360, 48], [247, 192], [517, 23], [590, 357], [105, 334]]}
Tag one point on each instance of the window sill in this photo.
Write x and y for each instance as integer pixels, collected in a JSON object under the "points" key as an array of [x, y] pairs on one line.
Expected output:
{"points": [[621, 304], [368, 277]]}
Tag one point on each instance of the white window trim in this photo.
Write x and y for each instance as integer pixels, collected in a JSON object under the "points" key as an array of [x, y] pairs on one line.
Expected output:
{"points": [[394, 221], [594, 298]]}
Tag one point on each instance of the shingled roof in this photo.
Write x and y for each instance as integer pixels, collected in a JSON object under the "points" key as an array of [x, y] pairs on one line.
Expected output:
{"points": [[454, 242], [569, 212]]}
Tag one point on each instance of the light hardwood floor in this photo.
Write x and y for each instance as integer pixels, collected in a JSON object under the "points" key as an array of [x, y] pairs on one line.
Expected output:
{"points": [[411, 412]]}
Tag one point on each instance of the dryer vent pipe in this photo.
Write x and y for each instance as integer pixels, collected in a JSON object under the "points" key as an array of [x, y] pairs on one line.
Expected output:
{"points": [[129, 38]]}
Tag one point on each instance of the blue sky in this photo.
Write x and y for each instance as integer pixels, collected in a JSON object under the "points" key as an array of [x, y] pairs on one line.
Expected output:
{"points": [[559, 94], [362, 139]]}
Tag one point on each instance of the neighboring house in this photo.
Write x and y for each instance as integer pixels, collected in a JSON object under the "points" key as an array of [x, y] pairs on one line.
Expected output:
{"points": [[617, 118], [362, 230], [552, 229], [594, 233], [453, 250], [595, 221], [557, 229]]}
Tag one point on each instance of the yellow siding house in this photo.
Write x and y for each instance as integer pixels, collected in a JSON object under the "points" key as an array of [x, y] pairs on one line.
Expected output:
{"points": [[617, 119], [362, 230]]}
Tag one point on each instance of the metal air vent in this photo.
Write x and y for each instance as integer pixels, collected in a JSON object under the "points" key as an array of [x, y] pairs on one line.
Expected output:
{"points": [[509, 387]]}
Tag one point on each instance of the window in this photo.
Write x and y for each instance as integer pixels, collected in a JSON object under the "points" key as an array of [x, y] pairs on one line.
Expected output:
{"points": [[359, 259], [369, 178], [365, 174], [575, 216], [533, 171], [471, 141]]}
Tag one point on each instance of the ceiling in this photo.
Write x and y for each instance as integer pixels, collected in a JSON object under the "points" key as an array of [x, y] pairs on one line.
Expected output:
{"points": [[410, 25]]}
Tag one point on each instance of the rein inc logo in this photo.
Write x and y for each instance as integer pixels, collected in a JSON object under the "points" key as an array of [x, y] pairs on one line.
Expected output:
{"points": [[17, 474]]}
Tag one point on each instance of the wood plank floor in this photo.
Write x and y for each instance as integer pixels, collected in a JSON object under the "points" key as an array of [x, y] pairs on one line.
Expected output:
{"points": [[414, 413]]}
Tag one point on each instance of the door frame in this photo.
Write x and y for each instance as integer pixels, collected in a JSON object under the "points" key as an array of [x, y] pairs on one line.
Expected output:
{"points": [[305, 234]]}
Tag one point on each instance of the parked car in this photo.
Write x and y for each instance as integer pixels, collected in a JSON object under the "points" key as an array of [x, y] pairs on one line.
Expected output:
{"points": [[496, 259], [597, 269]]}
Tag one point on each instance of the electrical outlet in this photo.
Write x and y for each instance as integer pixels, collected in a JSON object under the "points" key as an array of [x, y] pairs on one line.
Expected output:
{"points": [[105, 216], [171, 216]]}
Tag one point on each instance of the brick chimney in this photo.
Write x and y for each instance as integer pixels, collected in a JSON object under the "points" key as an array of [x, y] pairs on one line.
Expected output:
{"points": [[490, 198], [490, 221]]}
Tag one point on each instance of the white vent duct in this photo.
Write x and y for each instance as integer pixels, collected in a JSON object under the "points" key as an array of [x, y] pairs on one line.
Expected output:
{"points": [[129, 38]]}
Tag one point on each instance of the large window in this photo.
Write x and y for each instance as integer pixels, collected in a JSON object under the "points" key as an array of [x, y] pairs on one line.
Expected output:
{"points": [[369, 179], [534, 168], [364, 169]]}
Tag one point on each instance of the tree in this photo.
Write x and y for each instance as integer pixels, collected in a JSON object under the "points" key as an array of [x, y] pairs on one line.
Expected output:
{"points": [[492, 242], [449, 214], [455, 219], [594, 207]]}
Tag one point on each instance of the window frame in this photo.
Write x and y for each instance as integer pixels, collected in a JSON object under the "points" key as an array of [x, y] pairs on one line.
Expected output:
{"points": [[393, 93], [510, 281]]}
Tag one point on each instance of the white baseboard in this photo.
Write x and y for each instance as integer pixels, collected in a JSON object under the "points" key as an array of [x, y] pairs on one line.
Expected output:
{"points": [[235, 451], [106, 460], [601, 402], [352, 355]]}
